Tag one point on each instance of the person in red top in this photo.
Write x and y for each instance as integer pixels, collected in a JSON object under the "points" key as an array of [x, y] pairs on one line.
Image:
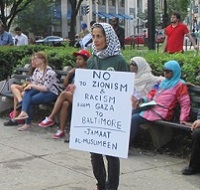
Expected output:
{"points": [[174, 35]]}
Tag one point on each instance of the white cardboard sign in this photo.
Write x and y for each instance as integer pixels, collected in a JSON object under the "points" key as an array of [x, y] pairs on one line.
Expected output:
{"points": [[101, 112]]}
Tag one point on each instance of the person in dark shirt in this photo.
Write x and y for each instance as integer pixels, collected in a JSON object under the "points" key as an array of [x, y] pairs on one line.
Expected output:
{"points": [[194, 163], [119, 31]]}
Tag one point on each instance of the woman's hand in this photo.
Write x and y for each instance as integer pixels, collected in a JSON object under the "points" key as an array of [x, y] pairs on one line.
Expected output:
{"points": [[71, 88], [28, 87], [72, 71], [193, 126], [196, 124], [135, 102]]}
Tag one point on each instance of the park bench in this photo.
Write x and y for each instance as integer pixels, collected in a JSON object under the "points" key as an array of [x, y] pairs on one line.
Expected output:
{"points": [[161, 131], [19, 76]]}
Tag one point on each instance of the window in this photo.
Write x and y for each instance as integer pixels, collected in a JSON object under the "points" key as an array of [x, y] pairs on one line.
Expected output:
{"points": [[111, 2], [102, 2], [121, 3]]}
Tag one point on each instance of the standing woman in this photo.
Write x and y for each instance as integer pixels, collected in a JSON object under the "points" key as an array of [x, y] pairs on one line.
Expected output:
{"points": [[106, 56], [42, 89]]}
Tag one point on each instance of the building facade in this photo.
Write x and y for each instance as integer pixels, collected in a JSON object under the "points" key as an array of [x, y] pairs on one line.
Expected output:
{"points": [[101, 11]]}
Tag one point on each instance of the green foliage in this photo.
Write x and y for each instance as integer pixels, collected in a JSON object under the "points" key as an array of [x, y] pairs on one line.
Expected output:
{"points": [[190, 63], [17, 56], [172, 5], [15, 7], [58, 57], [36, 18], [179, 5], [144, 15]]}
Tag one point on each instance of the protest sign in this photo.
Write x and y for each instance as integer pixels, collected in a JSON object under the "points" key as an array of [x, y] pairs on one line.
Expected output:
{"points": [[101, 112]]}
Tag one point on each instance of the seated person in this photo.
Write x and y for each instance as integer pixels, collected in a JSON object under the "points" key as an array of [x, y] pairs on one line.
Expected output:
{"points": [[144, 79], [194, 164], [171, 90], [42, 89], [64, 101], [18, 91]]}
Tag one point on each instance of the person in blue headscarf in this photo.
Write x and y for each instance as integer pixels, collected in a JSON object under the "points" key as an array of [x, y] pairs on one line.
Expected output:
{"points": [[165, 96], [171, 81]]}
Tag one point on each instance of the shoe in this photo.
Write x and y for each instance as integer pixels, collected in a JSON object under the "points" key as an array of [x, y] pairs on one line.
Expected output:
{"points": [[59, 134], [97, 188], [12, 117], [20, 121], [190, 171], [25, 127], [67, 139], [11, 114], [46, 122], [10, 123]]}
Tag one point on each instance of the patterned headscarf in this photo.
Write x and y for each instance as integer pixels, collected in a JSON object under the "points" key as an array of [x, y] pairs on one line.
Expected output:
{"points": [[176, 70], [112, 41]]}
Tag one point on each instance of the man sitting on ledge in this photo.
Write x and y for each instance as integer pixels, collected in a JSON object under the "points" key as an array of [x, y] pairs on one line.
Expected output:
{"points": [[194, 164]]}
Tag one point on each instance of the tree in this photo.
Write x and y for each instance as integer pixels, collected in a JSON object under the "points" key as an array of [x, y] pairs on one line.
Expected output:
{"points": [[75, 6], [36, 18], [172, 5], [179, 5], [10, 8]]}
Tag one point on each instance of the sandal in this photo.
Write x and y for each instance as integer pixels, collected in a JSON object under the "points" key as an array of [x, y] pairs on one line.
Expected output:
{"points": [[25, 127], [21, 116]]}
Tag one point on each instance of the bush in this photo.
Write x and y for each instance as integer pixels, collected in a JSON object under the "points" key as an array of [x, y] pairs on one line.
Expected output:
{"points": [[14, 56], [189, 62]]}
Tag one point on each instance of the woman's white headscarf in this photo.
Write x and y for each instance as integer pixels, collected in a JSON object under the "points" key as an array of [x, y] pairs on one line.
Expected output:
{"points": [[144, 79]]}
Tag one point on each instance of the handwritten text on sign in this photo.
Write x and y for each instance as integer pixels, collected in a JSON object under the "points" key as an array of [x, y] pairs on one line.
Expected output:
{"points": [[101, 112]]}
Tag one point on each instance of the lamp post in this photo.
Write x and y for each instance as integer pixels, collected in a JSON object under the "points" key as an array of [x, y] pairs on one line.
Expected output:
{"points": [[151, 24], [191, 14], [165, 15], [52, 16]]}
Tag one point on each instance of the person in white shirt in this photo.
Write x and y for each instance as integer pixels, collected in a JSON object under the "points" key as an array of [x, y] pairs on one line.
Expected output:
{"points": [[86, 41], [20, 38]]}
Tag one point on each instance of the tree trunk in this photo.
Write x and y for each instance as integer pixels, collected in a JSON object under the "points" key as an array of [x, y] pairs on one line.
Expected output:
{"points": [[72, 32], [75, 5]]}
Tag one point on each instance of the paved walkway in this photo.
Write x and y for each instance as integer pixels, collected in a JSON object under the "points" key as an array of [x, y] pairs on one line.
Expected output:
{"points": [[32, 160]]}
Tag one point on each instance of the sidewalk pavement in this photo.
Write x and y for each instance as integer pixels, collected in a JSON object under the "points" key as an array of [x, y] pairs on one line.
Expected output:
{"points": [[32, 160]]}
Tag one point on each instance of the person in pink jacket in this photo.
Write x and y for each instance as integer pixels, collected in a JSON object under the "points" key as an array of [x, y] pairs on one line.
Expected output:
{"points": [[171, 91]]}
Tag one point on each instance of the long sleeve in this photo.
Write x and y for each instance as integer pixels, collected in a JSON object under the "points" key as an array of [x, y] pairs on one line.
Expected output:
{"points": [[184, 100]]}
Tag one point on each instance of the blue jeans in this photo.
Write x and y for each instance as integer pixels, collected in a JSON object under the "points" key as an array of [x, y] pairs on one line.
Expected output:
{"points": [[34, 97], [136, 121]]}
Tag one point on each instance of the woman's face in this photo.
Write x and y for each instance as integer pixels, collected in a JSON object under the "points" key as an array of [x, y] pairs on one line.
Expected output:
{"points": [[168, 74], [99, 38], [80, 61], [33, 64], [38, 61], [133, 67]]}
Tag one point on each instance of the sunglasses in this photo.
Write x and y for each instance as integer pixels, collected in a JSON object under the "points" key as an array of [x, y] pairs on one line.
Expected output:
{"points": [[167, 71]]}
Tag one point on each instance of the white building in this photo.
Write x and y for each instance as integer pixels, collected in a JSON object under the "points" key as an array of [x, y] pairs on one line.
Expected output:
{"points": [[103, 11]]}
